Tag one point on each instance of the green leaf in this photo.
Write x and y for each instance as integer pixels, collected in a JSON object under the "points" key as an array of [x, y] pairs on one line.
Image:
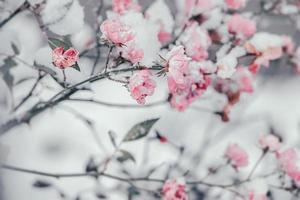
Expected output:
{"points": [[15, 49], [76, 67], [140, 130], [54, 43], [125, 156], [5, 70]]}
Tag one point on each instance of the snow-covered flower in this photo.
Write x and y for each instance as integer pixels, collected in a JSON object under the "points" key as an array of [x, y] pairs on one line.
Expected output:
{"points": [[64, 59], [122, 6], [164, 19], [237, 156], [132, 53], [257, 190], [177, 64], [196, 42], [288, 162], [174, 189], [242, 26], [269, 142], [244, 79], [141, 85], [226, 66], [235, 4], [116, 32], [266, 47]]}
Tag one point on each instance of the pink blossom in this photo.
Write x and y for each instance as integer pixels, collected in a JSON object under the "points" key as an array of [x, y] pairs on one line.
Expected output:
{"points": [[194, 84], [237, 155], [64, 59], [174, 190], [121, 6], [244, 79], [257, 196], [196, 42], [141, 85], [132, 53], [269, 142], [116, 32], [235, 4], [288, 161], [177, 64], [241, 26]]}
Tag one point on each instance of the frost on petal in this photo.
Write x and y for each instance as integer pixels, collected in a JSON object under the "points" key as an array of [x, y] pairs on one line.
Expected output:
{"points": [[196, 41], [63, 17], [132, 53], [141, 85], [160, 13]]}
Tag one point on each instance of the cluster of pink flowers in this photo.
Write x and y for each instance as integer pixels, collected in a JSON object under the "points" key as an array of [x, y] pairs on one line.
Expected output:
{"points": [[64, 58], [174, 190], [237, 156], [186, 80], [123, 36], [141, 85]]}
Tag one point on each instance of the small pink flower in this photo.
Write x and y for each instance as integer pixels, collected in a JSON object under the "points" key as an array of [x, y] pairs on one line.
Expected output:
{"points": [[257, 196], [122, 6], [235, 4], [244, 79], [196, 42], [288, 161], [132, 53], [269, 142], [236, 155], [241, 26], [141, 85], [174, 190], [177, 64], [116, 32], [64, 59]]}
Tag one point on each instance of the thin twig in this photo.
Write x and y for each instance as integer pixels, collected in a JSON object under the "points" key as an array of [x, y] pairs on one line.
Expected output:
{"points": [[162, 102], [30, 92]]}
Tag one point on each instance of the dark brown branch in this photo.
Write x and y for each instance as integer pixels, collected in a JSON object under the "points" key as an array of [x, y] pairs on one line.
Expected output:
{"points": [[23, 7], [30, 93]]}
